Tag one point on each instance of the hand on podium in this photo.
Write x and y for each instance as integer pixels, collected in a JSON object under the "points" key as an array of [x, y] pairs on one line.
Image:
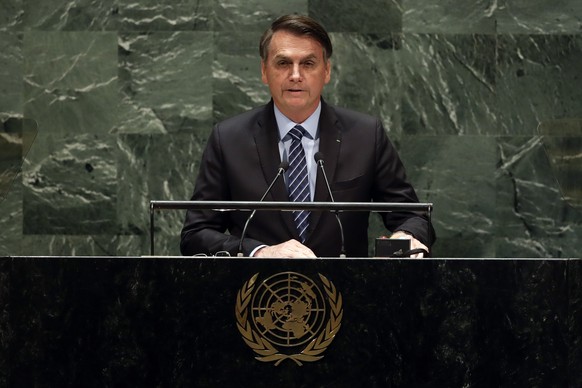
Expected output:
{"points": [[414, 243], [288, 249]]}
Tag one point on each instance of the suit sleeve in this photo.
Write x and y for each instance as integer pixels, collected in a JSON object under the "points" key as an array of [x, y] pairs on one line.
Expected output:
{"points": [[204, 231], [391, 185]]}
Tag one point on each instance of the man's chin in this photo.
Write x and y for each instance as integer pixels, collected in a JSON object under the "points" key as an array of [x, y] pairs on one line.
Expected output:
{"points": [[295, 104]]}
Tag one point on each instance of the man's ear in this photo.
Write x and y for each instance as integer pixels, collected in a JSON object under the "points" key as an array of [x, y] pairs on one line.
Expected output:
{"points": [[264, 72]]}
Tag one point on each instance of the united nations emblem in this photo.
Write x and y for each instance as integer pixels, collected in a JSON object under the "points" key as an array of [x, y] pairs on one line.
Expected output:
{"points": [[287, 317]]}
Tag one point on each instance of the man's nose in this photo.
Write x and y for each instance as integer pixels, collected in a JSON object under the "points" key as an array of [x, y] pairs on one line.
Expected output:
{"points": [[296, 72]]}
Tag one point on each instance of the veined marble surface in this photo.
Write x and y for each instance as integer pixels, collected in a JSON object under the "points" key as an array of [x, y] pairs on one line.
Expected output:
{"points": [[491, 16], [481, 98], [165, 79]]}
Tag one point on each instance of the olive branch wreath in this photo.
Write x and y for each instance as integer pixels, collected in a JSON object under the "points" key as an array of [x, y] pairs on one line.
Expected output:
{"points": [[265, 350]]}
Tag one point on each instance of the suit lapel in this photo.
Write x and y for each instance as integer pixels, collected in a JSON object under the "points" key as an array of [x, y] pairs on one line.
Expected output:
{"points": [[330, 138]]}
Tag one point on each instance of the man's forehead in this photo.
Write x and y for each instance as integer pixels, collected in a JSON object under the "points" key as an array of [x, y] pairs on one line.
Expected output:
{"points": [[285, 44]]}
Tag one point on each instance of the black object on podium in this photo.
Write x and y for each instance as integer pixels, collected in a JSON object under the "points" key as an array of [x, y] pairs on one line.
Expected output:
{"points": [[240, 322]]}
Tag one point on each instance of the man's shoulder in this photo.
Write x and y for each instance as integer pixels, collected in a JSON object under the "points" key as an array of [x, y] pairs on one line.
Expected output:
{"points": [[244, 119], [352, 117]]}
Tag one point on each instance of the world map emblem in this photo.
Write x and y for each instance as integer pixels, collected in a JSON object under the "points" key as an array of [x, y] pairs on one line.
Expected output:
{"points": [[288, 316]]}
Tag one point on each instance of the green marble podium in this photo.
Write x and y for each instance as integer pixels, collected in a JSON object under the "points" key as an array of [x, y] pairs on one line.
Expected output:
{"points": [[175, 321]]}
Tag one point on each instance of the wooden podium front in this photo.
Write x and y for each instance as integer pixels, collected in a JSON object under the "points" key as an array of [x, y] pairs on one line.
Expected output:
{"points": [[240, 322]]}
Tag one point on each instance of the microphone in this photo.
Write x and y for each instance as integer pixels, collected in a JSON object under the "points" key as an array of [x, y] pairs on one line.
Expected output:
{"points": [[319, 160], [282, 168]]}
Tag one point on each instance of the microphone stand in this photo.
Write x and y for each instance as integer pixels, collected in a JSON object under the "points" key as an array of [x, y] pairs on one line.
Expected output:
{"points": [[319, 160], [282, 168]]}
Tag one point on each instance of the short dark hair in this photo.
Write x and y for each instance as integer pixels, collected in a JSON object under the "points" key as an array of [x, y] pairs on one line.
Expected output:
{"points": [[300, 25]]}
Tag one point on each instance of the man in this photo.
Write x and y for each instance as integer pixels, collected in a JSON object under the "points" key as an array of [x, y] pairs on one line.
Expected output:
{"points": [[244, 152]]}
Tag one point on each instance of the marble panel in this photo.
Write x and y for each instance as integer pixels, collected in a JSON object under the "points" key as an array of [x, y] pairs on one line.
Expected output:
{"points": [[10, 154], [62, 244], [11, 60], [11, 123], [70, 15], [365, 76], [236, 73], [450, 85], [426, 68], [16, 138], [11, 12], [456, 174], [563, 245], [71, 190], [481, 245], [562, 140], [532, 219], [538, 79], [539, 16], [70, 81], [156, 168], [449, 16], [166, 82], [167, 239], [154, 15], [133, 167], [377, 16], [253, 15], [174, 164], [11, 220], [129, 245]]}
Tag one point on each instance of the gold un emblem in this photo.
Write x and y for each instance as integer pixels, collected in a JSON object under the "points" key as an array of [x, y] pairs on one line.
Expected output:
{"points": [[287, 317]]}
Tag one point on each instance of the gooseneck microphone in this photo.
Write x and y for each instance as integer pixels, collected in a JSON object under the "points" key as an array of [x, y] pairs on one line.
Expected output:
{"points": [[282, 168], [319, 160]]}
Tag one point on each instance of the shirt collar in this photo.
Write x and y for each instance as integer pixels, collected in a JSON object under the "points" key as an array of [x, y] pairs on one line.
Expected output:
{"points": [[310, 124]]}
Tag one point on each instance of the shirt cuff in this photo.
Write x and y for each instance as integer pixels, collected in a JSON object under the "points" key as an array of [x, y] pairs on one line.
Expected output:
{"points": [[256, 249]]}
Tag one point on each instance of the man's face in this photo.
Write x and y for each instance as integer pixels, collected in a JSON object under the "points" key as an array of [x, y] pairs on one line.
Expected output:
{"points": [[296, 73]]}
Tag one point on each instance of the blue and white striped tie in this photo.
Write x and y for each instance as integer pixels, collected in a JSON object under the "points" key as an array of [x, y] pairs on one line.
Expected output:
{"points": [[298, 180]]}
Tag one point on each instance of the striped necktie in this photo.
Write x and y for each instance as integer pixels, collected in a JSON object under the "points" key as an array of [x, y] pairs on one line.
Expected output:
{"points": [[298, 180]]}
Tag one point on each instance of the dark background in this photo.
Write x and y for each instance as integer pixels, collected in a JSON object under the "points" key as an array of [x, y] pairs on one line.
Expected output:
{"points": [[118, 322]]}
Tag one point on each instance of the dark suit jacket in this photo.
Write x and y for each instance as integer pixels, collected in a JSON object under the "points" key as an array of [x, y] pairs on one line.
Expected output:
{"points": [[241, 160]]}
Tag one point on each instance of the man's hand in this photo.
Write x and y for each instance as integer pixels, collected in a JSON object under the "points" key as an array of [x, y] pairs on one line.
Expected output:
{"points": [[288, 249], [414, 243]]}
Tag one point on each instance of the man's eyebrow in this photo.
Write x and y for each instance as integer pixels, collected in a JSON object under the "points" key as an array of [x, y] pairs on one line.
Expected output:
{"points": [[280, 56], [309, 57], [286, 57]]}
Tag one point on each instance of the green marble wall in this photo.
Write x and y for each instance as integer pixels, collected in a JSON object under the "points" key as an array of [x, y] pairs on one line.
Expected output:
{"points": [[107, 104]]}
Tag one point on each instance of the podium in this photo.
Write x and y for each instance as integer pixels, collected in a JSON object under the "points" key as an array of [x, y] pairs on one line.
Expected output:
{"points": [[176, 321]]}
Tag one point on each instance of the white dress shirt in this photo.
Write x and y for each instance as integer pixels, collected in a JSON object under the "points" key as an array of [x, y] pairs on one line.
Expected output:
{"points": [[310, 142]]}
